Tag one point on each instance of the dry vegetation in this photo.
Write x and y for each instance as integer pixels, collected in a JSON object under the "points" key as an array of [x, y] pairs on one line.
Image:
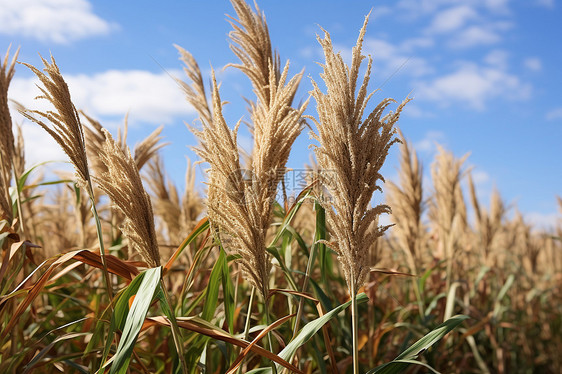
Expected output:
{"points": [[116, 270]]}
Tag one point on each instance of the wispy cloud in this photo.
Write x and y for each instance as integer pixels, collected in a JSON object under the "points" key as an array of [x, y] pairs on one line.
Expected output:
{"points": [[545, 3], [415, 111], [421, 8], [452, 19], [544, 221], [389, 58], [40, 147], [475, 35], [428, 143], [58, 21], [461, 24], [473, 85], [497, 58], [533, 63], [380, 11], [554, 114]]}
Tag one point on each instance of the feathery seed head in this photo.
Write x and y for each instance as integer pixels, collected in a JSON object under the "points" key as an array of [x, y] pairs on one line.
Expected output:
{"points": [[353, 150], [195, 93], [251, 43], [406, 201], [143, 151], [240, 201], [447, 207], [66, 128], [234, 204], [122, 183], [7, 146], [7, 70]]}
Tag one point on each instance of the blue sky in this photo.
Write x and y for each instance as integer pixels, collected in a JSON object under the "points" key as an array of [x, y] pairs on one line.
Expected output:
{"points": [[484, 74]]}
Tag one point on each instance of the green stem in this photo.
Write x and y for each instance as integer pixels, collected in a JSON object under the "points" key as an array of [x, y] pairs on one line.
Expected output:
{"points": [[267, 321], [354, 327], [176, 333], [303, 288], [300, 307], [248, 319], [249, 315], [100, 241], [413, 268], [421, 308], [18, 200]]}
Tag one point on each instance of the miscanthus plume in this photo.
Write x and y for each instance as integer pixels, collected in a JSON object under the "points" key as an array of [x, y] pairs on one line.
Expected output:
{"points": [[352, 149]]}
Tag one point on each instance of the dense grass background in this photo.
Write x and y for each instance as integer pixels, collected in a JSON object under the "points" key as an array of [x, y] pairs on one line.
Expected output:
{"points": [[55, 311]]}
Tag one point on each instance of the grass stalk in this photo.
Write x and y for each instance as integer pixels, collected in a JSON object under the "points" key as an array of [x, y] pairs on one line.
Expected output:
{"points": [[100, 241], [416, 287], [249, 315], [18, 200], [176, 333], [354, 328], [300, 307], [248, 319], [268, 322], [415, 283], [309, 265], [319, 234]]}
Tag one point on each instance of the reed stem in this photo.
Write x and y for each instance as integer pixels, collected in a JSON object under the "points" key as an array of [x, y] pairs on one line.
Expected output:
{"points": [[248, 319], [176, 333], [249, 315], [354, 328], [100, 241], [267, 321]]}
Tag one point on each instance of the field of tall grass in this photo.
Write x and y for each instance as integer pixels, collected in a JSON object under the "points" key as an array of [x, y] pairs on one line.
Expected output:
{"points": [[113, 269]]}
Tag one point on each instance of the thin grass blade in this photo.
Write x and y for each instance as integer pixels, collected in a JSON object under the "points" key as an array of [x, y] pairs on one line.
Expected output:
{"points": [[135, 319]]}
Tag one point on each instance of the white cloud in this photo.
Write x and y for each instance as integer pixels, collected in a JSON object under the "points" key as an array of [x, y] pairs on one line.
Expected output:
{"points": [[473, 86], [497, 58], [415, 111], [554, 114], [146, 96], [452, 19], [420, 8], [59, 21], [533, 64], [500, 6], [390, 59], [420, 42], [475, 35], [429, 141], [39, 146], [108, 96], [480, 177], [545, 3], [465, 24], [542, 221], [416, 8], [380, 11], [308, 52]]}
